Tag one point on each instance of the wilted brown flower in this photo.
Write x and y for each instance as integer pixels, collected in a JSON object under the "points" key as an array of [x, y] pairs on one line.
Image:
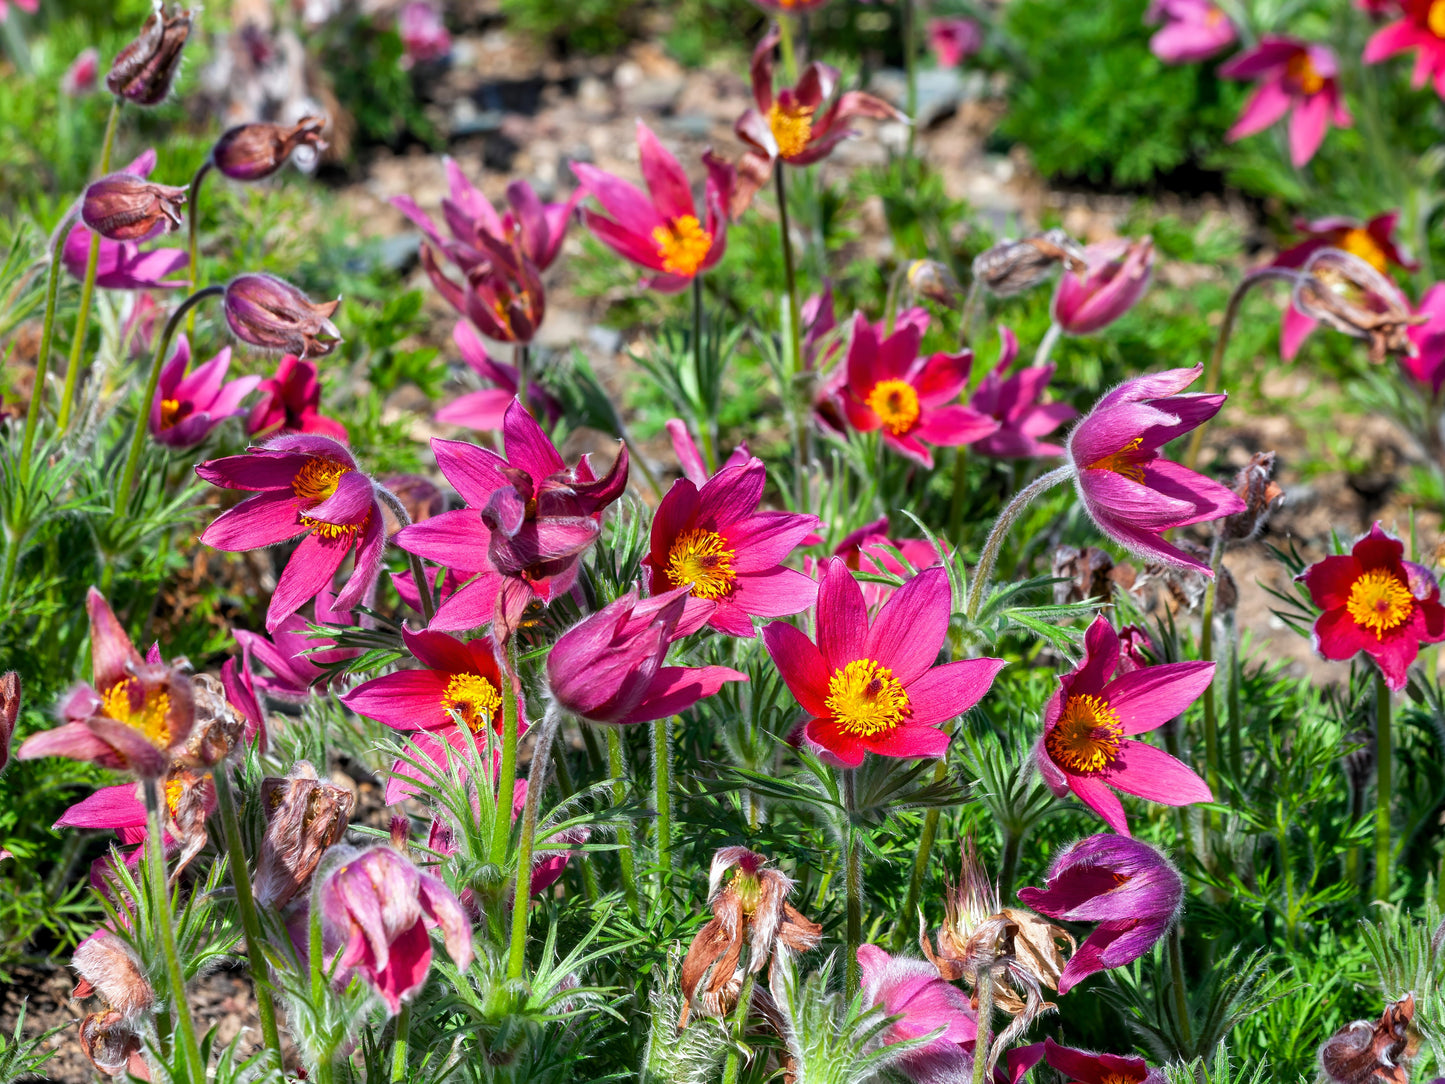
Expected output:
{"points": [[304, 816], [124, 207], [1362, 1052], [750, 910], [218, 726], [1183, 587], [1086, 572], [108, 968], [1343, 291], [190, 798], [933, 280], [1261, 494], [251, 152], [108, 1042], [1013, 267], [271, 313], [9, 712], [143, 71]]}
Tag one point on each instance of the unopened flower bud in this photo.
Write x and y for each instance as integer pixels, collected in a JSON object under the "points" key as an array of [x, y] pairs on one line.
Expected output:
{"points": [[1373, 1052], [304, 816], [9, 712], [123, 207], [1261, 494], [108, 968], [143, 71], [250, 152], [1013, 267], [933, 280], [271, 313], [108, 1042], [1346, 293]]}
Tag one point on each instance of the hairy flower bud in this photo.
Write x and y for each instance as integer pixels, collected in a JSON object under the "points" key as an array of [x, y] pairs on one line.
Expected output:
{"points": [[108, 1042], [1013, 267], [1365, 1052], [271, 313], [9, 712], [143, 71], [218, 726], [124, 207], [1261, 494], [304, 816], [1346, 293], [108, 968], [933, 280], [250, 152]]}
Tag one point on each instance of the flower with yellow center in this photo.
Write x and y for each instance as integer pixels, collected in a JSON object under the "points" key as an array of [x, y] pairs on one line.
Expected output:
{"points": [[896, 404], [150, 717], [702, 558], [1435, 18], [171, 413], [174, 789], [792, 128], [1359, 242], [474, 699], [315, 482], [682, 245], [1301, 74], [1127, 461], [1087, 737], [1380, 601], [866, 699]]}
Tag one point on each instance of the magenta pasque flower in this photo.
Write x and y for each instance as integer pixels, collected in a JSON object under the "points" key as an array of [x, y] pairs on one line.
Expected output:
{"points": [[423, 34], [81, 76], [660, 230], [379, 907], [188, 406], [1426, 366], [911, 990], [271, 313], [295, 658], [869, 549], [121, 264], [1015, 403], [308, 486], [713, 539], [1377, 602], [1087, 745], [953, 40], [1115, 277], [1296, 77], [871, 686], [1131, 492], [1193, 30], [608, 668], [290, 402], [1421, 27], [1082, 1067], [485, 409]]}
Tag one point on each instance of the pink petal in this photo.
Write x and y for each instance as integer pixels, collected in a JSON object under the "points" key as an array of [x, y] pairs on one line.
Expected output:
{"points": [[842, 617], [1095, 794], [801, 665], [1155, 776], [948, 691], [911, 626], [1149, 697]]}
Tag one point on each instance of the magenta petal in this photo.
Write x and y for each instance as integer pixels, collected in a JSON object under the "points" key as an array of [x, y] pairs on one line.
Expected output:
{"points": [[312, 566], [731, 495], [800, 664], [1307, 128], [1154, 775], [1268, 104], [842, 616], [1095, 794], [911, 626], [109, 807], [949, 690], [677, 688], [476, 473], [404, 700], [1152, 695], [353, 499], [665, 177], [912, 741], [776, 592], [457, 539], [259, 521]]}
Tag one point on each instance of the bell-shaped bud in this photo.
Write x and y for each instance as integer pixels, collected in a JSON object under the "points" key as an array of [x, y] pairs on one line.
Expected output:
{"points": [[271, 313], [108, 1042], [124, 207], [144, 70], [250, 152], [1346, 293], [304, 816], [933, 280], [108, 968], [1011, 267], [1374, 1051]]}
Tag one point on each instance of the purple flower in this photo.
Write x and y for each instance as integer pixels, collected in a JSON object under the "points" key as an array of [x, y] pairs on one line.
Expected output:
{"points": [[1125, 886], [485, 409], [1115, 277], [1131, 492], [1014, 402], [290, 402], [1193, 30], [271, 313], [122, 265], [9, 712], [1294, 76], [294, 657], [187, 407], [911, 990], [953, 40]]}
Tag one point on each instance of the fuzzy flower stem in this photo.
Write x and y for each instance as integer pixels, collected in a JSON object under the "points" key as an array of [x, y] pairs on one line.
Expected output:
{"points": [[707, 425], [1383, 755], [568, 786], [1013, 839], [785, 45], [854, 884], [1176, 975], [47, 335], [163, 345], [794, 395], [418, 569], [970, 307], [989, 557], [1047, 344], [165, 926], [193, 225], [507, 777], [925, 848], [400, 1044], [983, 989], [522, 355], [624, 834], [662, 797], [246, 904], [1213, 371], [1206, 654], [737, 1025], [522, 897]]}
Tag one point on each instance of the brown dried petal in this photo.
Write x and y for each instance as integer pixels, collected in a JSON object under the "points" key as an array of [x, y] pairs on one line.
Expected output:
{"points": [[1344, 292], [218, 726], [1034, 943], [1013, 267], [143, 71], [190, 797], [304, 817], [1255, 485], [709, 944], [1086, 572], [933, 280], [108, 1042], [107, 967], [798, 932], [1362, 1052]]}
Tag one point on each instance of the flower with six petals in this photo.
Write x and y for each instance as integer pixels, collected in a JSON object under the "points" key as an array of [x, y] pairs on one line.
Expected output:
{"points": [[1296, 77], [188, 406], [1015, 403]]}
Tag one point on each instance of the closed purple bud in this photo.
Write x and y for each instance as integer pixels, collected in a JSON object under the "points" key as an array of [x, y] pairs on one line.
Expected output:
{"points": [[250, 152], [144, 70], [271, 313], [1116, 277], [124, 207]]}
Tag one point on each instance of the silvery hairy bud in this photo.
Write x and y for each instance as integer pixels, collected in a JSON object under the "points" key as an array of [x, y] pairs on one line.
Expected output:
{"points": [[1347, 294], [144, 70], [1014, 267]]}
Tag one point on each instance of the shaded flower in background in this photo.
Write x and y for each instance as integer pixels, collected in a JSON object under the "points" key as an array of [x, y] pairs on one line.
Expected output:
{"points": [[1346, 293], [1377, 602], [1130, 491], [251, 152], [1015, 403], [1114, 278], [660, 230], [304, 485], [1426, 363], [1082, 1067], [504, 296], [9, 712], [911, 990], [791, 7], [1127, 888], [871, 686], [424, 36], [294, 657], [122, 265], [1193, 30], [1422, 28], [486, 408], [143, 71], [81, 76], [1295, 77], [290, 402], [270, 313], [187, 406], [953, 40], [1374, 1052], [1086, 748]]}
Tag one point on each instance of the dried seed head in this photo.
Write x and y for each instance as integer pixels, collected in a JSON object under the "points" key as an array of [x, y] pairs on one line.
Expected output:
{"points": [[9, 712], [108, 1042], [190, 799], [1261, 494], [1183, 588], [143, 71], [109, 969], [1365, 1052], [933, 280], [123, 207], [1085, 573], [1346, 293], [304, 816], [1014, 267], [218, 727], [250, 152]]}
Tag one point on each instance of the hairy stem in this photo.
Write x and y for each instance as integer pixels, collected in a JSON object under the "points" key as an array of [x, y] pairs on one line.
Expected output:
{"points": [[795, 392], [618, 771], [706, 419], [522, 897], [47, 336], [507, 776], [989, 557], [737, 1027], [1047, 344], [1181, 999], [925, 850], [1383, 757], [662, 796], [399, 1046], [522, 355], [1206, 654], [983, 989], [854, 884], [418, 569], [193, 247]]}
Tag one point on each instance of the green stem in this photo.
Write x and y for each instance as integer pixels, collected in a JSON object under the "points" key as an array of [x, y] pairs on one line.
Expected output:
{"points": [[246, 904], [1383, 757], [1013, 840], [142, 418], [507, 776], [1236, 721], [47, 336], [970, 307], [193, 225], [795, 393], [662, 797], [960, 485], [418, 569], [989, 557], [1047, 344], [568, 788], [522, 897], [984, 990], [738, 1023], [706, 419], [925, 851], [624, 832], [399, 1047], [161, 910], [1181, 999], [785, 44], [854, 884], [1206, 654]]}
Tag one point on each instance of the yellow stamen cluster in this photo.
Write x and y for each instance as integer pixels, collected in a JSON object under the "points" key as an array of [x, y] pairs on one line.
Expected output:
{"points": [[896, 404], [1380, 601], [1435, 18], [174, 788], [474, 699], [866, 699], [150, 717], [683, 245], [1125, 461], [702, 558], [318, 478], [792, 128], [1087, 737], [1301, 73], [171, 412], [1358, 242]]}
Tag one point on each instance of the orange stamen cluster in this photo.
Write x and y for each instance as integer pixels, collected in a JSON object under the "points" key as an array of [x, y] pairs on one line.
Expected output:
{"points": [[792, 128], [682, 245], [866, 699], [150, 717], [474, 698], [1087, 737], [1127, 461], [1359, 242], [896, 404], [1301, 74]]}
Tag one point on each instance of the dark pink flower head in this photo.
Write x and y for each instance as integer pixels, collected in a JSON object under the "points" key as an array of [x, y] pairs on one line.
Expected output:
{"points": [[485, 409], [1193, 30], [308, 486], [122, 265], [1082, 1067], [124, 207], [1377, 602], [81, 76], [143, 71], [689, 456], [270, 313], [1422, 28], [290, 402], [380, 907], [294, 658], [252, 152], [503, 296], [871, 686], [1115, 277], [953, 40], [1296, 77], [423, 35], [1015, 402], [1086, 746], [910, 398], [135, 716], [713, 539], [1129, 490], [799, 125], [660, 230], [1426, 365], [911, 990], [608, 667], [188, 406]]}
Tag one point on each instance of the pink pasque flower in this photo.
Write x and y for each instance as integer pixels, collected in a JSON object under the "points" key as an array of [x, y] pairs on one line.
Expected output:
{"points": [[81, 76], [1114, 279], [1193, 30], [423, 34], [910, 398], [1427, 365], [953, 40], [1082, 1067], [187, 407], [190, 797], [911, 990], [504, 296], [485, 409], [1086, 745], [1421, 27], [290, 402], [660, 230], [122, 265], [308, 486], [295, 658], [713, 539], [1014, 402], [1130, 491], [1295, 77], [870, 686]]}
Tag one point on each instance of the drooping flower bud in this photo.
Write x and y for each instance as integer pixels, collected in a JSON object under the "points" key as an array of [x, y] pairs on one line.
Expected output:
{"points": [[304, 816], [9, 712], [1346, 293], [933, 280], [271, 313], [124, 207], [108, 1042], [1010, 267], [250, 152], [1261, 494], [1374, 1052], [108, 968], [143, 71]]}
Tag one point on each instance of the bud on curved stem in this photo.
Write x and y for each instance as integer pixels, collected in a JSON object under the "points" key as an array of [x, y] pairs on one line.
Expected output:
{"points": [[193, 247]]}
